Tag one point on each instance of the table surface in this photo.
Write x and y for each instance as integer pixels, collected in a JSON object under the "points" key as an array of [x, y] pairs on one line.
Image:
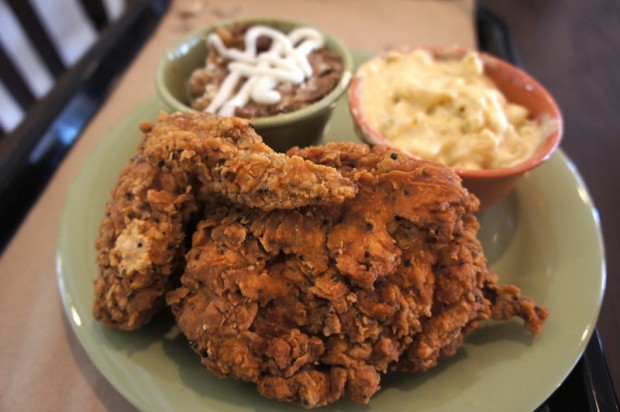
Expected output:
{"points": [[557, 43]]}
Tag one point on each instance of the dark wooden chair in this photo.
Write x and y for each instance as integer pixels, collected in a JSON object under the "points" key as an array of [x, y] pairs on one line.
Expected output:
{"points": [[14, 80], [31, 152]]}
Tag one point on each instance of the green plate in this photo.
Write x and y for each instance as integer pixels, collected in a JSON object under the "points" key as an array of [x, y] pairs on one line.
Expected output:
{"points": [[544, 238]]}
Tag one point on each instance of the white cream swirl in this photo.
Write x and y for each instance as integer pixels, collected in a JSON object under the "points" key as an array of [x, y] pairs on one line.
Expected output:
{"points": [[286, 61]]}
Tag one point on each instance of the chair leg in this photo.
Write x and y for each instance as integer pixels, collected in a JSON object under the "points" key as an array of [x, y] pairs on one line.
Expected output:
{"points": [[38, 35], [96, 12]]}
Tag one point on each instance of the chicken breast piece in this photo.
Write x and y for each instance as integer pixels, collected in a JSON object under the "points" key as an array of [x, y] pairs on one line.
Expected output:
{"points": [[184, 163], [316, 303]]}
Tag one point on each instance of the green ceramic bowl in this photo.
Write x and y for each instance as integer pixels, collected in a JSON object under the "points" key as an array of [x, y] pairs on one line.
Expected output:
{"points": [[300, 128]]}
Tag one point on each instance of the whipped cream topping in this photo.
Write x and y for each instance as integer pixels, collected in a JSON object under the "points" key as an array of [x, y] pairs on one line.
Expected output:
{"points": [[286, 61]]}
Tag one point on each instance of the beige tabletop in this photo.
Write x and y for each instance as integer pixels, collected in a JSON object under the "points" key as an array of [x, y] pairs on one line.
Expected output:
{"points": [[42, 365]]}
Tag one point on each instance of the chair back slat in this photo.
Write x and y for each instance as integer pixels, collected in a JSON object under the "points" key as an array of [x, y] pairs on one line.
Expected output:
{"points": [[38, 36], [96, 12], [14, 81]]}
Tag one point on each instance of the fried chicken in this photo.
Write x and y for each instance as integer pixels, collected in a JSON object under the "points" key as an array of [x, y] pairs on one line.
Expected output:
{"points": [[315, 302], [183, 162]]}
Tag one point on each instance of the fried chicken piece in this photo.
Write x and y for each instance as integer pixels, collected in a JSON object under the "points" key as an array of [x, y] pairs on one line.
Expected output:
{"points": [[227, 157], [184, 161], [315, 303], [141, 243]]}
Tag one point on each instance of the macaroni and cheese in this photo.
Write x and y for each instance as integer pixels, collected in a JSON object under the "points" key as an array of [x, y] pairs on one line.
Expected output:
{"points": [[447, 110]]}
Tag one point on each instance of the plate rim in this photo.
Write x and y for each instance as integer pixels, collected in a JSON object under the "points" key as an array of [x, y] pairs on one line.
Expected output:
{"points": [[137, 401]]}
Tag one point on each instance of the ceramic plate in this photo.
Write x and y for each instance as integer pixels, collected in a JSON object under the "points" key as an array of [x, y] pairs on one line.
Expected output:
{"points": [[544, 237]]}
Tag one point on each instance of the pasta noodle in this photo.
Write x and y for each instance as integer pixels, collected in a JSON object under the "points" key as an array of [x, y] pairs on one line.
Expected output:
{"points": [[447, 110]]}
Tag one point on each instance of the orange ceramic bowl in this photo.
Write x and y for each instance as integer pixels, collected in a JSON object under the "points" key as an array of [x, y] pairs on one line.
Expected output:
{"points": [[489, 185]]}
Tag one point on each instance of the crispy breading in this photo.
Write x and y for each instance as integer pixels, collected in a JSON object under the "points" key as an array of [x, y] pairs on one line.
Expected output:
{"points": [[227, 157], [184, 161], [140, 245], [315, 303]]}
